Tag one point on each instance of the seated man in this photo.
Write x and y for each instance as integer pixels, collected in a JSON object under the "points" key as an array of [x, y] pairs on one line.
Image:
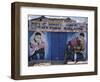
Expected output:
{"points": [[75, 49]]}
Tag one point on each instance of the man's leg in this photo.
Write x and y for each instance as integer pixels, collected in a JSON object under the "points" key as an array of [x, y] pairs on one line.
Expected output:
{"points": [[68, 56], [79, 57], [34, 58], [41, 55], [65, 58], [72, 56]]}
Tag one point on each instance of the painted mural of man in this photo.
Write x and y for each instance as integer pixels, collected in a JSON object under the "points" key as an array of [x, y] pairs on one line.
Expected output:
{"points": [[75, 49]]}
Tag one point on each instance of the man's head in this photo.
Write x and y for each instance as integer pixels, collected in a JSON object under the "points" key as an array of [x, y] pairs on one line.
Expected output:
{"points": [[37, 37], [82, 35]]}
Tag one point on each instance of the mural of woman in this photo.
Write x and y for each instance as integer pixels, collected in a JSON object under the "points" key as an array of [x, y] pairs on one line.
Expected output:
{"points": [[37, 47]]}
